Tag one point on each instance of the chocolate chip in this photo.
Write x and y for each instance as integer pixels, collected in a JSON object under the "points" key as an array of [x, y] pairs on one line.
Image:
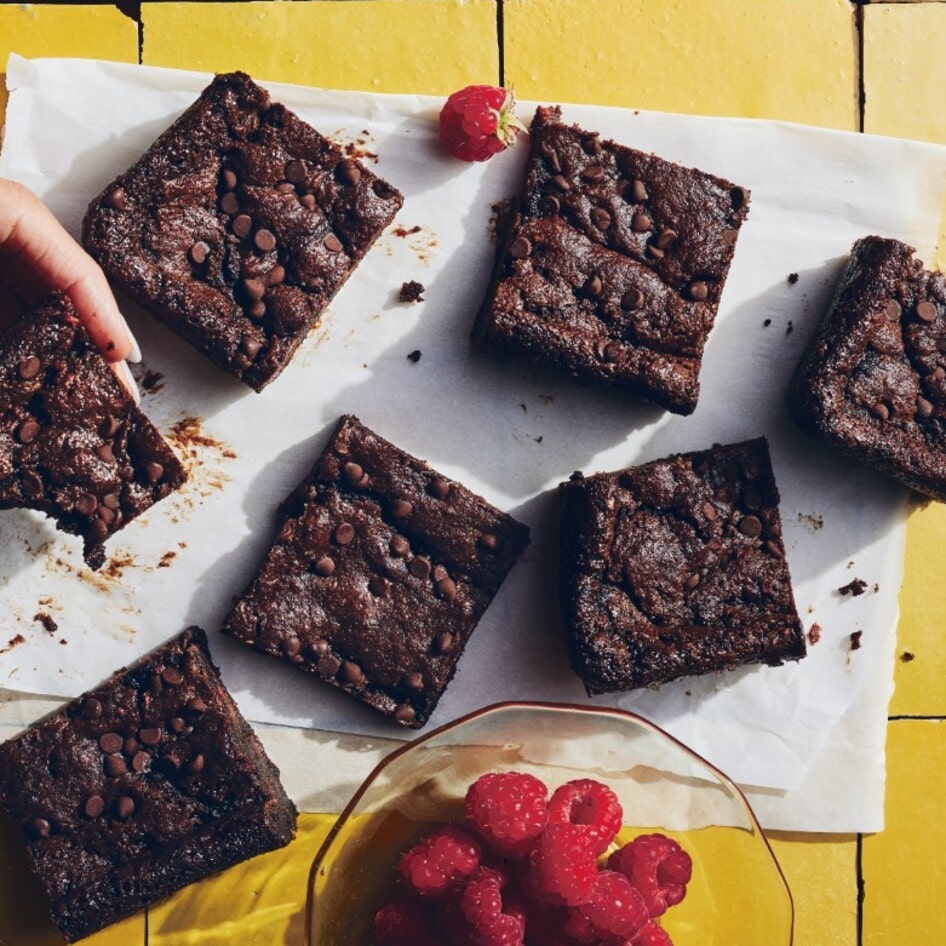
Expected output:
{"points": [[33, 485], [229, 203], [551, 204], [447, 589], [94, 806], [295, 171], [242, 225], [264, 240], [593, 287], [378, 586], [489, 541], [172, 676], [349, 172], [105, 514], [892, 311], [632, 299], [698, 291], [414, 680], [325, 566], [125, 807], [98, 530], [561, 183], [276, 276], [444, 643], [196, 704], [715, 543], [114, 766], [86, 504], [177, 724], [400, 546], [28, 431], [405, 713], [729, 237], [351, 674], [153, 471], [257, 310], [332, 243], [692, 581], [104, 453], [284, 187], [750, 526], [40, 828], [923, 407], [198, 252], [254, 288], [92, 708], [554, 162], [229, 179], [344, 533], [110, 501], [308, 201], [880, 410], [601, 218], [29, 367], [610, 350], [738, 196], [638, 192], [117, 199], [593, 173], [440, 488], [109, 427], [654, 252], [926, 311], [382, 189], [520, 248], [130, 746], [139, 760], [196, 765], [170, 763], [666, 238], [328, 665], [150, 736], [439, 572], [402, 508], [320, 647], [353, 472], [419, 566], [110, 742], [641, 223]]}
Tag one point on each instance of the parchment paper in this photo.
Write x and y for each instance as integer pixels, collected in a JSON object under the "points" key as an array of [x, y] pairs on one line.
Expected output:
{"points": [[507, 431]]}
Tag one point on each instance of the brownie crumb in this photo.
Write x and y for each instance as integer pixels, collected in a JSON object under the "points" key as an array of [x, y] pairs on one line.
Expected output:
{"points": [[813, 521], [906, 657], [856, 640], [814, 634], [411, 291], [766, 323], [152, 381], [414, 356], [407, 231], [790, 328], [13, 642], [503, 212], [166, 559], [853, 588], [538, 439], [792, 278], [46, 620]]}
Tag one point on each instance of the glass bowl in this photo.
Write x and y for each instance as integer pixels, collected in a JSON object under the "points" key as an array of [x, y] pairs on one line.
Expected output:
{"points": [[738, 894]]}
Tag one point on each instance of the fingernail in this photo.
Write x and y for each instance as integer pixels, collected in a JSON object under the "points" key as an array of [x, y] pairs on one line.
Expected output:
{"points": [[127, 378], [134, 356]]}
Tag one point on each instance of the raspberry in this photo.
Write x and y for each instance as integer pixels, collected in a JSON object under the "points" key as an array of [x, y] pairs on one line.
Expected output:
{"points": [[589, 803], [615, 910], [563, 865], [508, 809], [404, 923], [478, 122], [440, 862], [481, 903], [653, 935], [658, 867]]}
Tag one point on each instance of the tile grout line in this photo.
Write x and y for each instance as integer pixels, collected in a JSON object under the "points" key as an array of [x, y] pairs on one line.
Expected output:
{"points": [[859, 870], [861, 84], [501, 42], [902, 716]]}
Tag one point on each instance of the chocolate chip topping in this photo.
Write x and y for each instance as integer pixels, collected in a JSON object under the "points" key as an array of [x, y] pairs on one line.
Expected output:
{"points": [[926, 311], [440, 488], [29, 367], [242, 225], [641, 223], [892, 310], [115, 765], [28, 431], [229, 179], [325, 566], [348, 172], [332, 243], [698, 291], [229, 203], [125, 807], [172, 676], [750, 526], [111, 742], [198, 252], [94, 806], [638, 192], [405, 713], [295, 171], [264, 240], [344, 533], [419, 567], [601, 218], [117, 199], [400, 546], [150, 736], [632, 299], [402, 508]]}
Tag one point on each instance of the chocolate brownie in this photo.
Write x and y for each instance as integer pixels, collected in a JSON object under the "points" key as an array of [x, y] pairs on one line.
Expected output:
{"points": [[873, 380], [676, 568], [238, 226], [380, 573], [72, 442], [613, 267], [147, 783]]}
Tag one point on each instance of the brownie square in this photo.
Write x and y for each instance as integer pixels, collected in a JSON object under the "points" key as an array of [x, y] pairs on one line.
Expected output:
{"points": [[872, 382], [380, 573], [147, 783], [73, 444], [613, 266], [238, 226], [676, 568]]}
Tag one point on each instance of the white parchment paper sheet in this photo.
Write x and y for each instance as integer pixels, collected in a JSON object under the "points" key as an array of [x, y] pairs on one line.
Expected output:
{"points": [[507, 431]]}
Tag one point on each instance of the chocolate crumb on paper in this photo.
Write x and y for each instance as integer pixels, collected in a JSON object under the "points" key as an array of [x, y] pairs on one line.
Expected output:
{"points": [[414, 356], [792, 278], [766, 323], [41, 617], [814, 634], [411, 291], [13, 642], [812, 521], [907, 656], [854, 588], [856, 639]]}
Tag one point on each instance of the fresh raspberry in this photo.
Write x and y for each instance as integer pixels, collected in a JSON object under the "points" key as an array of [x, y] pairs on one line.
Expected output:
{"points": [[478, 122], [658, 867], [653, 935], [440, 862], [563, 865], [404, 923], [589, 803], [615, 910], [545, 926], [481, 903], [509, 810]]}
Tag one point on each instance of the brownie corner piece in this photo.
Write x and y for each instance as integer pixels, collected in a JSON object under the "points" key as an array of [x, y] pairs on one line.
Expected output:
{"points": [[676, 568], [145, 784], [73, 443], [238, 226], [872, 381], [379, 575], [613, 266]]}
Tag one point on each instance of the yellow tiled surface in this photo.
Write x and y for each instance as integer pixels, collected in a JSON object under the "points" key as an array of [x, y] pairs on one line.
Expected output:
{"points": [[788, 59], [47, 30]]}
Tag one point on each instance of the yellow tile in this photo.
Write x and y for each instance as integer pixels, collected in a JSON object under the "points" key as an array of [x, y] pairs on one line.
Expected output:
{"points": [[919, 687], [821, 871], [903, 866], [755, 58], [54, 30], [430, 46]]}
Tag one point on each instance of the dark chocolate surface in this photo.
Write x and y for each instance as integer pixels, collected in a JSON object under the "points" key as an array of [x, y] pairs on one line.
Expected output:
{"points": [[873, 380], [72, 442], [675, 568], [238, 226], [147, 783], [613, 266], [379, 575]]}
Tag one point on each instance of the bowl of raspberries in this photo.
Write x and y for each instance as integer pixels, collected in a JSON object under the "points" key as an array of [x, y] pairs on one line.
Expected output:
{"points": [[529, 824]]}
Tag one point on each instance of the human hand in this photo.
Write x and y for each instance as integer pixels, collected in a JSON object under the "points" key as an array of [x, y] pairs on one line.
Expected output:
{"points": [[38, 257]]}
